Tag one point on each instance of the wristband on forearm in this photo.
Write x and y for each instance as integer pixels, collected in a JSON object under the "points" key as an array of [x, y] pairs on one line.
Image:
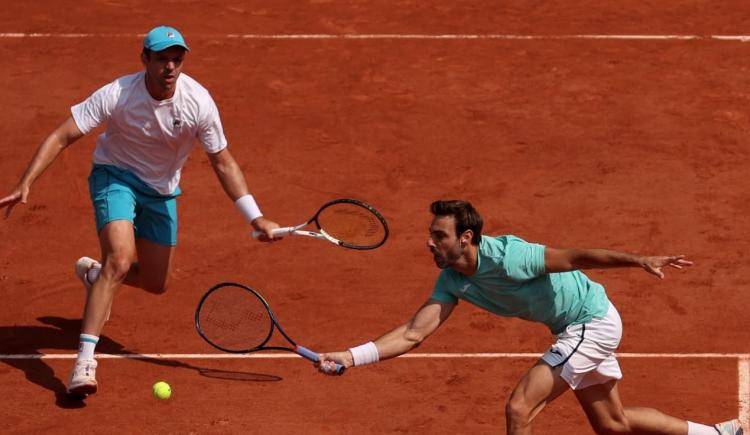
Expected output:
{"points": [[365, 354], [248, 207]]}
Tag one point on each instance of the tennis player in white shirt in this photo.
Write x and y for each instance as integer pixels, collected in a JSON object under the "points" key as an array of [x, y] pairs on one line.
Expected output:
{"points": [[152, 118]]}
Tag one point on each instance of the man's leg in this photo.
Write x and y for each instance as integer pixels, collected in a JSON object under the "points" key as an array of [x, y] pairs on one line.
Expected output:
{"points": [[117, 240], [539, 386], [606, 414], [150, 272]]}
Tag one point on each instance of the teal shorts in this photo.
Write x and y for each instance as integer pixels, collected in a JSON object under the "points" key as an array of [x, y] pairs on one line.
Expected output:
{"points": [[117, 194]]}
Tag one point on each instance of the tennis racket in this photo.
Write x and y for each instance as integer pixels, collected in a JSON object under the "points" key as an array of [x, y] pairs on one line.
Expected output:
{"points": [[235, 318], [349, 223]]}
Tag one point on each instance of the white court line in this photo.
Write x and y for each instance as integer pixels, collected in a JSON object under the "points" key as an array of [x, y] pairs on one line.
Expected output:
{"points": [[741, 356], [743, 369], [743, 364], [739, 38]]}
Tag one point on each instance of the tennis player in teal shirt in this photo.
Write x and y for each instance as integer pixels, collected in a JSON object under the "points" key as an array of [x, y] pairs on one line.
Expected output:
{"points": [[510, 277], [510, 281]]}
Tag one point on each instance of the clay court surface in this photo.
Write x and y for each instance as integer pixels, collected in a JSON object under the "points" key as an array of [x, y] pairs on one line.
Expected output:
{"points": [[631, 144]]}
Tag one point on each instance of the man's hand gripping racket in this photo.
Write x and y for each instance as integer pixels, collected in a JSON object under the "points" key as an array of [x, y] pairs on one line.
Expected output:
{"points": [[330, 362], [348, 223], [235, 318]]}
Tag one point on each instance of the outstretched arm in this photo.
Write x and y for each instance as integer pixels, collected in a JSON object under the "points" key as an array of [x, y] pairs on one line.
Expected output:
{"points": [[396, 342], [565, 260], [58, 140], [233, 181]]}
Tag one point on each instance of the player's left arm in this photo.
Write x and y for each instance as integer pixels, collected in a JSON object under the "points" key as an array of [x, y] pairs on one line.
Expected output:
{"points": [[566, 260], [398, 341], [234, 184]]}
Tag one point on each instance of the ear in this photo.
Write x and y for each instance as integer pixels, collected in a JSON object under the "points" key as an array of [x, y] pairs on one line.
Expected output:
{"points": [[466, 237], [144, 60]]}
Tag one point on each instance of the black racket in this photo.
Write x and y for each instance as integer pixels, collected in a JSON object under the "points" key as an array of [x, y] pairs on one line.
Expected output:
{"points": [[235, 318], [349, 223]]}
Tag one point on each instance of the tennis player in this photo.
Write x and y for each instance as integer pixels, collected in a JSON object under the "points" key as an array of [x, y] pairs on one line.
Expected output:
{"points": [[152, 118], [510, 277]]}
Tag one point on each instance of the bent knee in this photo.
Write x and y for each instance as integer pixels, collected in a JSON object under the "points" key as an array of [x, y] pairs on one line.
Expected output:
{"points": [[517, 410], [117, 268], [611, 427]]}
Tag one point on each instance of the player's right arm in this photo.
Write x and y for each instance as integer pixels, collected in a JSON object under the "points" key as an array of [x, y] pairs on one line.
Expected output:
{"points": [[400, 340], [566, 260], [58, 140]]}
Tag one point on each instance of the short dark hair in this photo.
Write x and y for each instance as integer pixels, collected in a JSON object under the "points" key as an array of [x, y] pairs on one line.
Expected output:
{"points": [[467, 217]]}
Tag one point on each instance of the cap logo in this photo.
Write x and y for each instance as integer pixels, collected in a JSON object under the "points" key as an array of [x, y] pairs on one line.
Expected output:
{"points": [[170, 35]]}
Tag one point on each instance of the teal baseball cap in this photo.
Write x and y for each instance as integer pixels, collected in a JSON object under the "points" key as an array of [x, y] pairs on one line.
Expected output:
{"points": [[162, 37]]}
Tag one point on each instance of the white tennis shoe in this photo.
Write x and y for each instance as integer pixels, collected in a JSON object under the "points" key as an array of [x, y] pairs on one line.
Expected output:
{"points": [[731, 427], [83, 266], [83, 379]]}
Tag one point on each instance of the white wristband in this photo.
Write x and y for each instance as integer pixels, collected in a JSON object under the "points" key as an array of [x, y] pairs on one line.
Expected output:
{"points": [[365, 354], [248, 207]]}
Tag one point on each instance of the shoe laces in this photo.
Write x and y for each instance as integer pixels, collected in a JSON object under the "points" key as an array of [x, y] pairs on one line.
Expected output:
{"points": [[87, 367]]}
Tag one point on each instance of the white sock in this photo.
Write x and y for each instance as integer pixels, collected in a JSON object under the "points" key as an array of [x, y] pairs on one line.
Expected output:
{"points": [[93, 274], [86, 346], [700, 429]]}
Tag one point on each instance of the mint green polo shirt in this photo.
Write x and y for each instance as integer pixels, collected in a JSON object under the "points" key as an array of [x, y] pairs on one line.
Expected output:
{"points": [[510, 281]]}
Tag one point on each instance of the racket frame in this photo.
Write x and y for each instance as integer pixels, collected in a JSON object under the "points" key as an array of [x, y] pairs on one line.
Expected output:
{"points": [[299, 350], [323, 235]]}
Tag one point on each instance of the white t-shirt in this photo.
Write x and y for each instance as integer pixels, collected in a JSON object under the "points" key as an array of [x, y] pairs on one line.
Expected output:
{"points": [[148, 137]]}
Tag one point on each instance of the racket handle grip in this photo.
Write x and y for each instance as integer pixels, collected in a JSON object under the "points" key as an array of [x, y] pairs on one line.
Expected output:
{"points": [[312, 356], [276, 232]]}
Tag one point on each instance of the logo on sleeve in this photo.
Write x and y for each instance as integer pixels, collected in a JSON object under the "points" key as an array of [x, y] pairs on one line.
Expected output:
{"points": [[464, 288]]}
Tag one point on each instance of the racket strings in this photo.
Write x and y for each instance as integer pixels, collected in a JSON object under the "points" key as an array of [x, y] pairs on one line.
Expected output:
{"points": [[234, 319], [352, 224]]}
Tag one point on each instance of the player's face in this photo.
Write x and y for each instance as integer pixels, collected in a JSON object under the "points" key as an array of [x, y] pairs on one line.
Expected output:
{"points": [[443, 243], [162, 70]]}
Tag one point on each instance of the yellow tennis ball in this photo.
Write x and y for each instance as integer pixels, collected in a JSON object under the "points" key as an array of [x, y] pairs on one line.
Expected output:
{"points": [[162, 390]]}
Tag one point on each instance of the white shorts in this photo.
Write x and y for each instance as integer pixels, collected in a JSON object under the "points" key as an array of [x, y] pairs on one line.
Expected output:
{"points": [[586, 352]]}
